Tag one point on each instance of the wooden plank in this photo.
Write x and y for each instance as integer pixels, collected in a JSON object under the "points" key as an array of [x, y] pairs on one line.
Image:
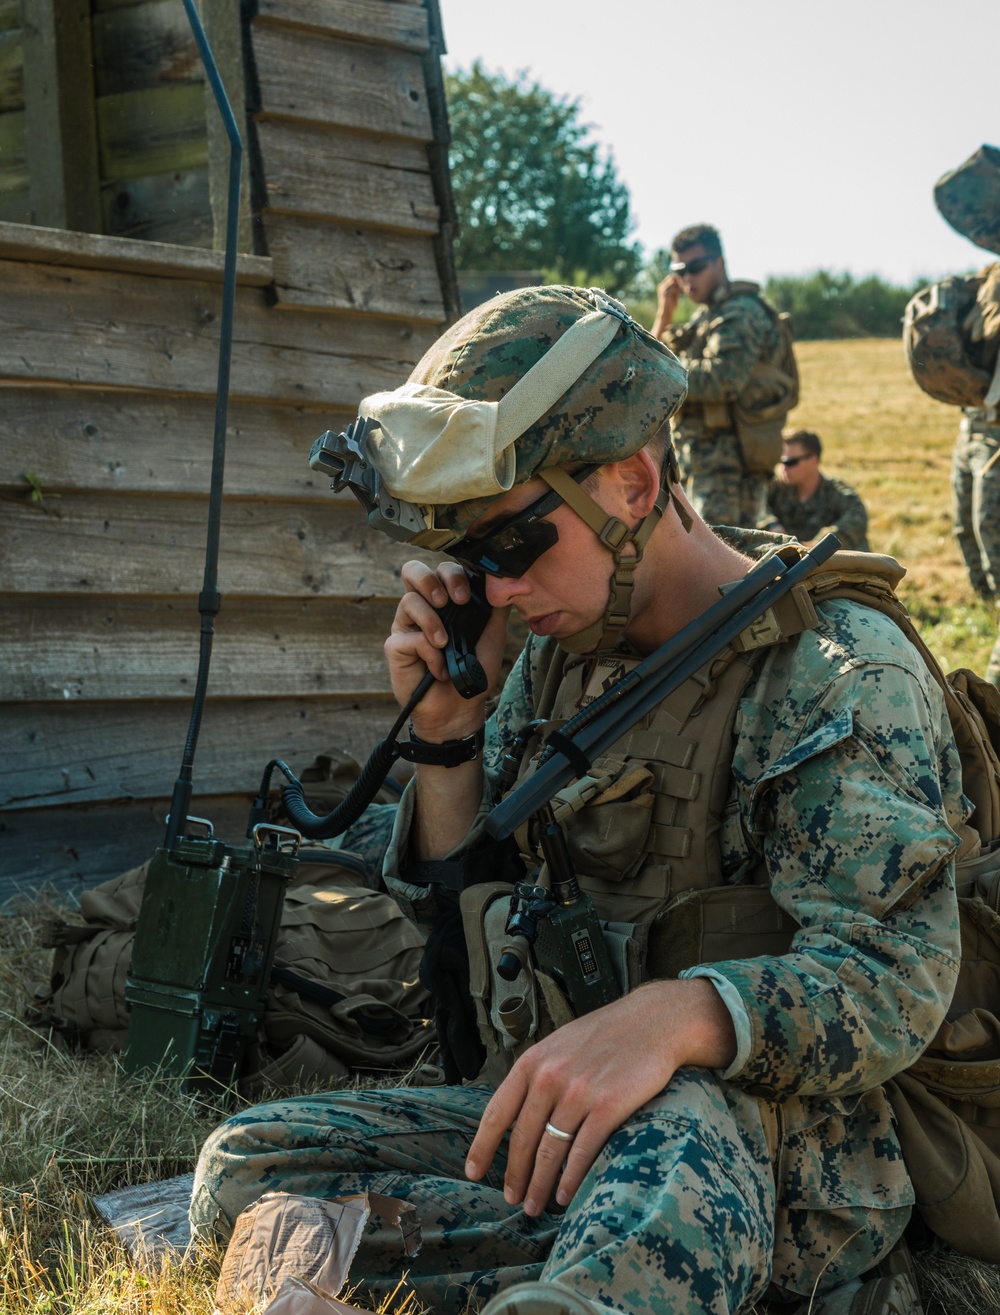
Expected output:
{"points": [[121, 649], [74, 439], [91, 545], [11, 71], [156, 130], [122, 330], [144, 45], [400, 25], [55, 247], [173, 207], [322, 172], [56, 754], [336, 267], [10, 15], [13, 153], [61, 125], [326, 80], [15, 207]]}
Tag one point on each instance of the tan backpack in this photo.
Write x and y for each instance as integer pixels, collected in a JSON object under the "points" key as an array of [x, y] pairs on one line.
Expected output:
{"points": [[771, 393], [944, 359], [947, 1105]]}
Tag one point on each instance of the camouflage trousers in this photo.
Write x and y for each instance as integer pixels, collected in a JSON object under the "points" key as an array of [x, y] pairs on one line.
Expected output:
{"points": [[976, 506], [678, 1215], [720, 489]]}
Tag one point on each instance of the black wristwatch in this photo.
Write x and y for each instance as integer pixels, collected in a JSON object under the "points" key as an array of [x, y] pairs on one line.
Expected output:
{"points": [[450, 753]]}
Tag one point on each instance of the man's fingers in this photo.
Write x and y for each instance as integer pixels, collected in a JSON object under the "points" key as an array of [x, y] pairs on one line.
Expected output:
{"points": [[498, 1116]]}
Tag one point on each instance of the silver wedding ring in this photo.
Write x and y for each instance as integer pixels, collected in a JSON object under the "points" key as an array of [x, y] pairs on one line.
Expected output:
{"points": [[558, 1133]]}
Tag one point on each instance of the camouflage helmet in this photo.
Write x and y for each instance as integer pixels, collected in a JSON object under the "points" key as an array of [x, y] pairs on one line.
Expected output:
{"points": [[619, 401], [969, 198]]}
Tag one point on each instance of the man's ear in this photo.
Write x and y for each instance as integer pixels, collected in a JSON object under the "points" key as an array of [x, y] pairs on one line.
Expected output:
{"points": [[640, 478]]}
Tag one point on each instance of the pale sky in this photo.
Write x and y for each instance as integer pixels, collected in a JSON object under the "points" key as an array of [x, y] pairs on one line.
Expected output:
{"points": [[811, 134]]}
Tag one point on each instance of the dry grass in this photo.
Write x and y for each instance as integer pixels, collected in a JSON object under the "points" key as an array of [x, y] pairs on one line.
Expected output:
{"points": [[72, 1126], [894, 444]]}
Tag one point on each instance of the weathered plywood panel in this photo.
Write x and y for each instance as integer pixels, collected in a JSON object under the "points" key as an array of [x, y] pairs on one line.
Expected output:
{"points": [[333, 267], [401, 25], [144, 45], [102, 545], [13, 153], [11, 71], [171, 207], [70, 849], [151, 131], [83, 327], [328, 173], [130, 443], [306, 76], [133, 750], [138, 648]]}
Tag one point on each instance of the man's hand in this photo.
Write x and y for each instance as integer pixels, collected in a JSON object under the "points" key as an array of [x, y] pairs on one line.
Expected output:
{"points": [[416, 643], [591, 1075], [668, 296]]}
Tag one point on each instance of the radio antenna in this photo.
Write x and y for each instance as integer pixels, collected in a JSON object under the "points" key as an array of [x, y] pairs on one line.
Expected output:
{"points": [[210, 600]]}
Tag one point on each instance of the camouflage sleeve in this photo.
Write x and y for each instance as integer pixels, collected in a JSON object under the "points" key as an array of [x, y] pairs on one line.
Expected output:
{"points": [[846, 516], [850, 782], [740, 335]]}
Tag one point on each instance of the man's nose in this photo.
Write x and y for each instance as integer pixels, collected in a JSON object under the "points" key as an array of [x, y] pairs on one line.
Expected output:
{"points": [[501, 591]]}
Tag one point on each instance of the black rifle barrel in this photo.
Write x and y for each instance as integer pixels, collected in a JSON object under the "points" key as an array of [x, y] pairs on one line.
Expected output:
{"points": [[656, 677]]}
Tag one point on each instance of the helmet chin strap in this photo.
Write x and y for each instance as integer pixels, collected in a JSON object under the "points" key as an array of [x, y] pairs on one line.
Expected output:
{"points": [[604, 634]]}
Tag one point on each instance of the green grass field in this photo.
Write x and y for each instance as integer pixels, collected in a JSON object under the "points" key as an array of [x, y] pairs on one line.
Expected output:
{"points": [[72, 1125]]}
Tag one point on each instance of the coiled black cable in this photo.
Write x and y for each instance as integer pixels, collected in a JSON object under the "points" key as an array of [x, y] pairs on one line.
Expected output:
{"points": [[357, 799]]}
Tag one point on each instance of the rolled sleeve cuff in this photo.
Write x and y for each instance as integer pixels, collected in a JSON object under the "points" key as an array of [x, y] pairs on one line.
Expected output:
{"points": [[733, 1001]]}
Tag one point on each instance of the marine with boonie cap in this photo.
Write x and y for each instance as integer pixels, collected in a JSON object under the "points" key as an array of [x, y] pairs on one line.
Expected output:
{"points": [[718, 1131]]}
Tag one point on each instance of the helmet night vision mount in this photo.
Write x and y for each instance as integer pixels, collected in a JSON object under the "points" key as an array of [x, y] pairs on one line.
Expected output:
{"points": [[345, 457]]}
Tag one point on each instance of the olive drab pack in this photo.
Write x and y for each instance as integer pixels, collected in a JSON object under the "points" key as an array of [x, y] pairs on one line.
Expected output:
{"points": [[772, 391], [944, 359], [345, 993]]}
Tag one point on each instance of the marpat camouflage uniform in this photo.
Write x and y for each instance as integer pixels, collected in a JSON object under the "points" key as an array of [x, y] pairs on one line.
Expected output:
{"points": [[719, 347], [975, 486], [835, 508], [786, 1167], [976, 499]]}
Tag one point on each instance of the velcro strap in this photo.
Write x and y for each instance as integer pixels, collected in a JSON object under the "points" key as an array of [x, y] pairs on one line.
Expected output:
{"points": [[449, 873], [570, 750], [669, 841]]}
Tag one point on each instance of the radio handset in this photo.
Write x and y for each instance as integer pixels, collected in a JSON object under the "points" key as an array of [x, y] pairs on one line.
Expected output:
{"points": [[464, 623]]}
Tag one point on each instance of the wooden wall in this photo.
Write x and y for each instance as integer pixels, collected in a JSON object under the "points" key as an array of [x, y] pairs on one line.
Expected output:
{"points": [[108, 360]]}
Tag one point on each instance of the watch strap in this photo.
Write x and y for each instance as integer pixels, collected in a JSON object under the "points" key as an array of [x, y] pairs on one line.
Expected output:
{"points": [[449, 753]]}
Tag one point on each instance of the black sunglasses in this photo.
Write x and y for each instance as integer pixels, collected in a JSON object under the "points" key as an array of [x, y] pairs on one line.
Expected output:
{"points": [[515, 544], [794, 461], [692, 267], [511, 547]]}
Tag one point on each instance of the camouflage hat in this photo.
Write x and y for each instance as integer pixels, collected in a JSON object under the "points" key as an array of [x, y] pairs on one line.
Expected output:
{"points": [[969, 198], [613, 408]]}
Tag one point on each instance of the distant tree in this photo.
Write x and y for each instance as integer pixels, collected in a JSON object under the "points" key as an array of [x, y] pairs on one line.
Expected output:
{"points": [[829, 305], [532, 191]]}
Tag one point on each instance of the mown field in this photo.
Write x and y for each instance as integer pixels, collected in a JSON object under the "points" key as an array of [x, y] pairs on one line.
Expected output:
{"points": [[72, 1125]]}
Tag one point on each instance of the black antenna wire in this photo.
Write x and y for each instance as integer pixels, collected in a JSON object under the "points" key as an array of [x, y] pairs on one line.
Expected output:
{"points": [[210, 600]]}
